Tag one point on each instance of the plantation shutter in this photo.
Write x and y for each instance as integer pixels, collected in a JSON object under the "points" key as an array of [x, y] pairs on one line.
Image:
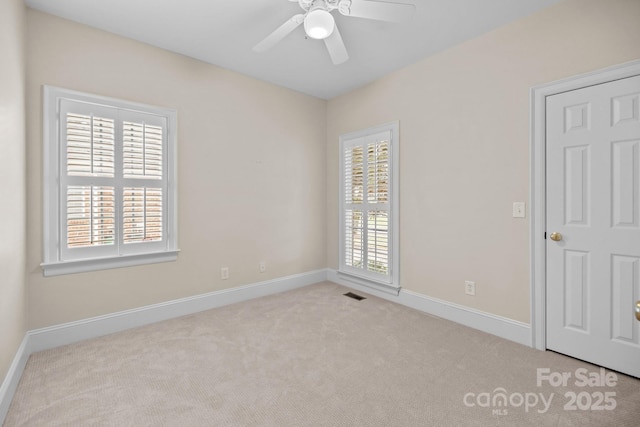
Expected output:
{"points": [[144, 185], [143, 172], [90, 215], [142, 150], [366, 205], [113, 181], [142, 214], [88, 135], [90, 145]]}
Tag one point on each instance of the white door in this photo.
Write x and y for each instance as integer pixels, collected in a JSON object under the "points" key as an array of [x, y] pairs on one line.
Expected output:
{"points": [[593, 204]]}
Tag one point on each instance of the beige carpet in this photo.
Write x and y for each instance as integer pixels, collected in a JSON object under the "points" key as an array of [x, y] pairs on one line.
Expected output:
{"points": [[310, 357]]}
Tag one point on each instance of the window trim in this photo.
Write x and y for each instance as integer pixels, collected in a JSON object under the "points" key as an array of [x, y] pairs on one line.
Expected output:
{"points": [[52, 263], [392, 284]]}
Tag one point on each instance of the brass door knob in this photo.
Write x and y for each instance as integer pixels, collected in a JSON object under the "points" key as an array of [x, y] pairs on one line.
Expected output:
{"points": [[638, 310], [555, 236]]}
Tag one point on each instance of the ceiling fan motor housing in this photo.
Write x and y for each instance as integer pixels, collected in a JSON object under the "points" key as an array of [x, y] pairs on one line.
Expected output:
{"points": [[327, 5]]}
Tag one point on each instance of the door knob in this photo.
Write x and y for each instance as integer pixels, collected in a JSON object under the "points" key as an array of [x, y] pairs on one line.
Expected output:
{"points": [[555, 236], [638, 310]]}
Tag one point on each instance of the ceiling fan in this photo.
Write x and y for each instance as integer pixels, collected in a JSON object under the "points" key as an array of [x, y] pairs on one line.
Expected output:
{"points": [[319, 23]]}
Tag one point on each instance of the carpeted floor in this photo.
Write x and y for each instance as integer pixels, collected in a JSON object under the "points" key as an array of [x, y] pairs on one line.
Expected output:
{"points": [[313, 357]]}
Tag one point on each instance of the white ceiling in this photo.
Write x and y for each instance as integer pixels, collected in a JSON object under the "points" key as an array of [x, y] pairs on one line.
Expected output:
{"points": [[223, 32]]}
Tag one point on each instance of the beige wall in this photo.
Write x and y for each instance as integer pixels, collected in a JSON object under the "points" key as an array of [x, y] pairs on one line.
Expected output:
{"points": [[464, 143], [251, 171], [256, 160], [12, 177]]}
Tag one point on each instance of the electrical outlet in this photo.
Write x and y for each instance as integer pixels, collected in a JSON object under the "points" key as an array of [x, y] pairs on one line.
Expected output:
{"points": [[262, 266], [224, 273], [470, 288]]}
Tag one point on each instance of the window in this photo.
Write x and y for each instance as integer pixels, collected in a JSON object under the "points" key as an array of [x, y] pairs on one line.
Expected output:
{"points": [[109, 183], [369, 205]]}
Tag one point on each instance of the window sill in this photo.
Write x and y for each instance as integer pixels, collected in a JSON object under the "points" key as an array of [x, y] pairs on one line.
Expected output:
{"points": [[370, 283], [84, 265]]}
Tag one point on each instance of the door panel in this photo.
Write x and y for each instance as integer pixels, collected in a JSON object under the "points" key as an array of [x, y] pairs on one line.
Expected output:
{"points": [[593, 201], [576, 180], [625, 280], [576, 290], [624, 171]]}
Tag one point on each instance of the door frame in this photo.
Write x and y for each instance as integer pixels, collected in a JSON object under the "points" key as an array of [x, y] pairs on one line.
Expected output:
{"points": [[537, 194]]}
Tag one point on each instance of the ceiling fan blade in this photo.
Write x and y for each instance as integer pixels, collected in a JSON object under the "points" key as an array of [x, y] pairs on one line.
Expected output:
{"points": [[378, 10], [281, 32], [336, 48]]}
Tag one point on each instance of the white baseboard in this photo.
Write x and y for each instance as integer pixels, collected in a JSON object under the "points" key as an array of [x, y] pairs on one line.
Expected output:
{"points": [[11, 380], [503, 327], [68, 333]]}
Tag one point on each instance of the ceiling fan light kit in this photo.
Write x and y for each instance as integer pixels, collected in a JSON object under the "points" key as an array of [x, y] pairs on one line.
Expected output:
{"points": [[319, 23]]}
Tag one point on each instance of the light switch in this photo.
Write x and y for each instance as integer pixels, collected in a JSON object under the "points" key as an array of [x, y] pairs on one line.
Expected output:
{"points": [[519, 210]]}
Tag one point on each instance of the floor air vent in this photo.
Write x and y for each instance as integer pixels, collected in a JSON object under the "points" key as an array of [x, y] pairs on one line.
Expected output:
{"points": [[354, 296]]}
